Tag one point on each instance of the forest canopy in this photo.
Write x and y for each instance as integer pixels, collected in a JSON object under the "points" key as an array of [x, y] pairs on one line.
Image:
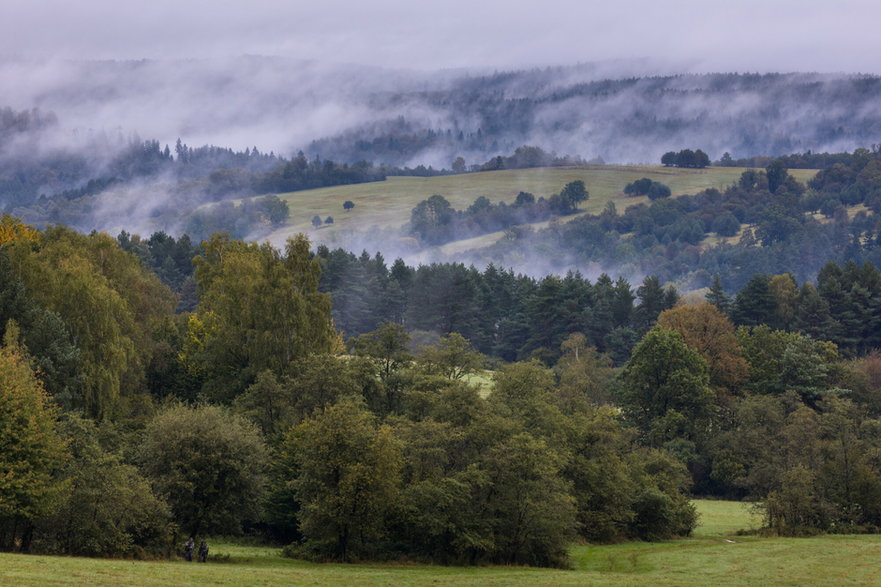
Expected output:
{"points": [[356, 410]]}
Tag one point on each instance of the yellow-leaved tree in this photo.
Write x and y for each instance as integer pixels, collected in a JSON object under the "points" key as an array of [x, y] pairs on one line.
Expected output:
{"points": [[12, 230]]}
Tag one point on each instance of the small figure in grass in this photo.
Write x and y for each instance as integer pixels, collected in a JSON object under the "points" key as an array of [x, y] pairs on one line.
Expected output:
{"points": [[188, 549], [203, 552]]}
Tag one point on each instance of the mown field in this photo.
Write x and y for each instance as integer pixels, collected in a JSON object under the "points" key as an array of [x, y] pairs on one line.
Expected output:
{"points": [[714, 556], [387, 204]]}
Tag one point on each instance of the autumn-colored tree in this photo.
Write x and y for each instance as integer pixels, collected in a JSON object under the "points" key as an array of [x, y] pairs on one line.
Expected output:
{"points": [[13, 230], [707, 330]]}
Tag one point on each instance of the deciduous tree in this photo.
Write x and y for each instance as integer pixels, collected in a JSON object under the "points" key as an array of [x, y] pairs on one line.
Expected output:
{"points": [[207, 464], [31, 451], [708, 331]]}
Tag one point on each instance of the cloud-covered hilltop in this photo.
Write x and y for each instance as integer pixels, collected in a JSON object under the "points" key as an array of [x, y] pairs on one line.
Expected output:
{"points": [[618, 111]]}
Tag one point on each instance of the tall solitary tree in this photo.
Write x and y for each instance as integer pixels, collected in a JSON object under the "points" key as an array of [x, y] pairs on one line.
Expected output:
{"points": [[573, 193]]}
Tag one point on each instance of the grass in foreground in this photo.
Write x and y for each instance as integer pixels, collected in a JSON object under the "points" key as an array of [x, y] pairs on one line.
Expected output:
{"points": [[714, 556]]}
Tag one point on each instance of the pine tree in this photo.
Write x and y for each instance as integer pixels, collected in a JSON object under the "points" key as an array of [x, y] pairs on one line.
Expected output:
{"points": [[717, 296]]}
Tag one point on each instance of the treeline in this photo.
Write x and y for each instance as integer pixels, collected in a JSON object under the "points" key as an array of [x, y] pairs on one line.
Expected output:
{"points": [[243, 220], [630, 117], [251, 412], [435, 222], [778, 225], [141, 427], [525, 157], [504, 315], [761, 414], [89, 181], [28, 174], [843, 305], [806, 160], [686, 158]]}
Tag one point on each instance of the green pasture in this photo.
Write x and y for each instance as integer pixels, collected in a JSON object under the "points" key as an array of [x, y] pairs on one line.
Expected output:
{"points": [[715, 555], [387, 204]]}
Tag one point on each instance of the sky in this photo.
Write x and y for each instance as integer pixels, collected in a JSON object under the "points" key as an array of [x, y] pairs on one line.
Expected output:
{"points": [[740, 35]]}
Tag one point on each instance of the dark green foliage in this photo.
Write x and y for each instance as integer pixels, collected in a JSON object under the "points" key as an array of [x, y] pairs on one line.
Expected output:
{"points": [[502, 314], [658, 190], [348, 478], [787, 361], [666, 390], [754, 304], [207, 464], [809, 465], [726, 224], [777, 174], [528, 502], [640, 187], [435, 222], [653, 299], [107, 508], [171, 260], [661, 510], [716, 295], [249, 218], [686, 158], [431, 220], [574, 193], [813, 317], [44, 335], [646, 187]]}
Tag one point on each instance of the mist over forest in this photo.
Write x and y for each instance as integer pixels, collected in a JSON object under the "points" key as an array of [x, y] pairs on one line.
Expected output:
{"points": [[621, 112], [141, 145], [450, 284]]}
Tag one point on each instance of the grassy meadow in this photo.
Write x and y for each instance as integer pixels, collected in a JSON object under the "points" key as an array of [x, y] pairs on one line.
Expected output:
{"points": [[387, 204], [713, 556]]}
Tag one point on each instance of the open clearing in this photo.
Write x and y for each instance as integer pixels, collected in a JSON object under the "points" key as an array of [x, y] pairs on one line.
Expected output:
{"points": [[387, 204], [714, 556]]}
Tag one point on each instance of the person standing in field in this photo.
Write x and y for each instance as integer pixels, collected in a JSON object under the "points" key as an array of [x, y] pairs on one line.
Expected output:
{"points": [[188, 549], [203, 552]]}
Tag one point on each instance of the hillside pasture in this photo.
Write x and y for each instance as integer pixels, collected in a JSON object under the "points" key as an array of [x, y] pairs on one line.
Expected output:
{"points": [[387, 204]]}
